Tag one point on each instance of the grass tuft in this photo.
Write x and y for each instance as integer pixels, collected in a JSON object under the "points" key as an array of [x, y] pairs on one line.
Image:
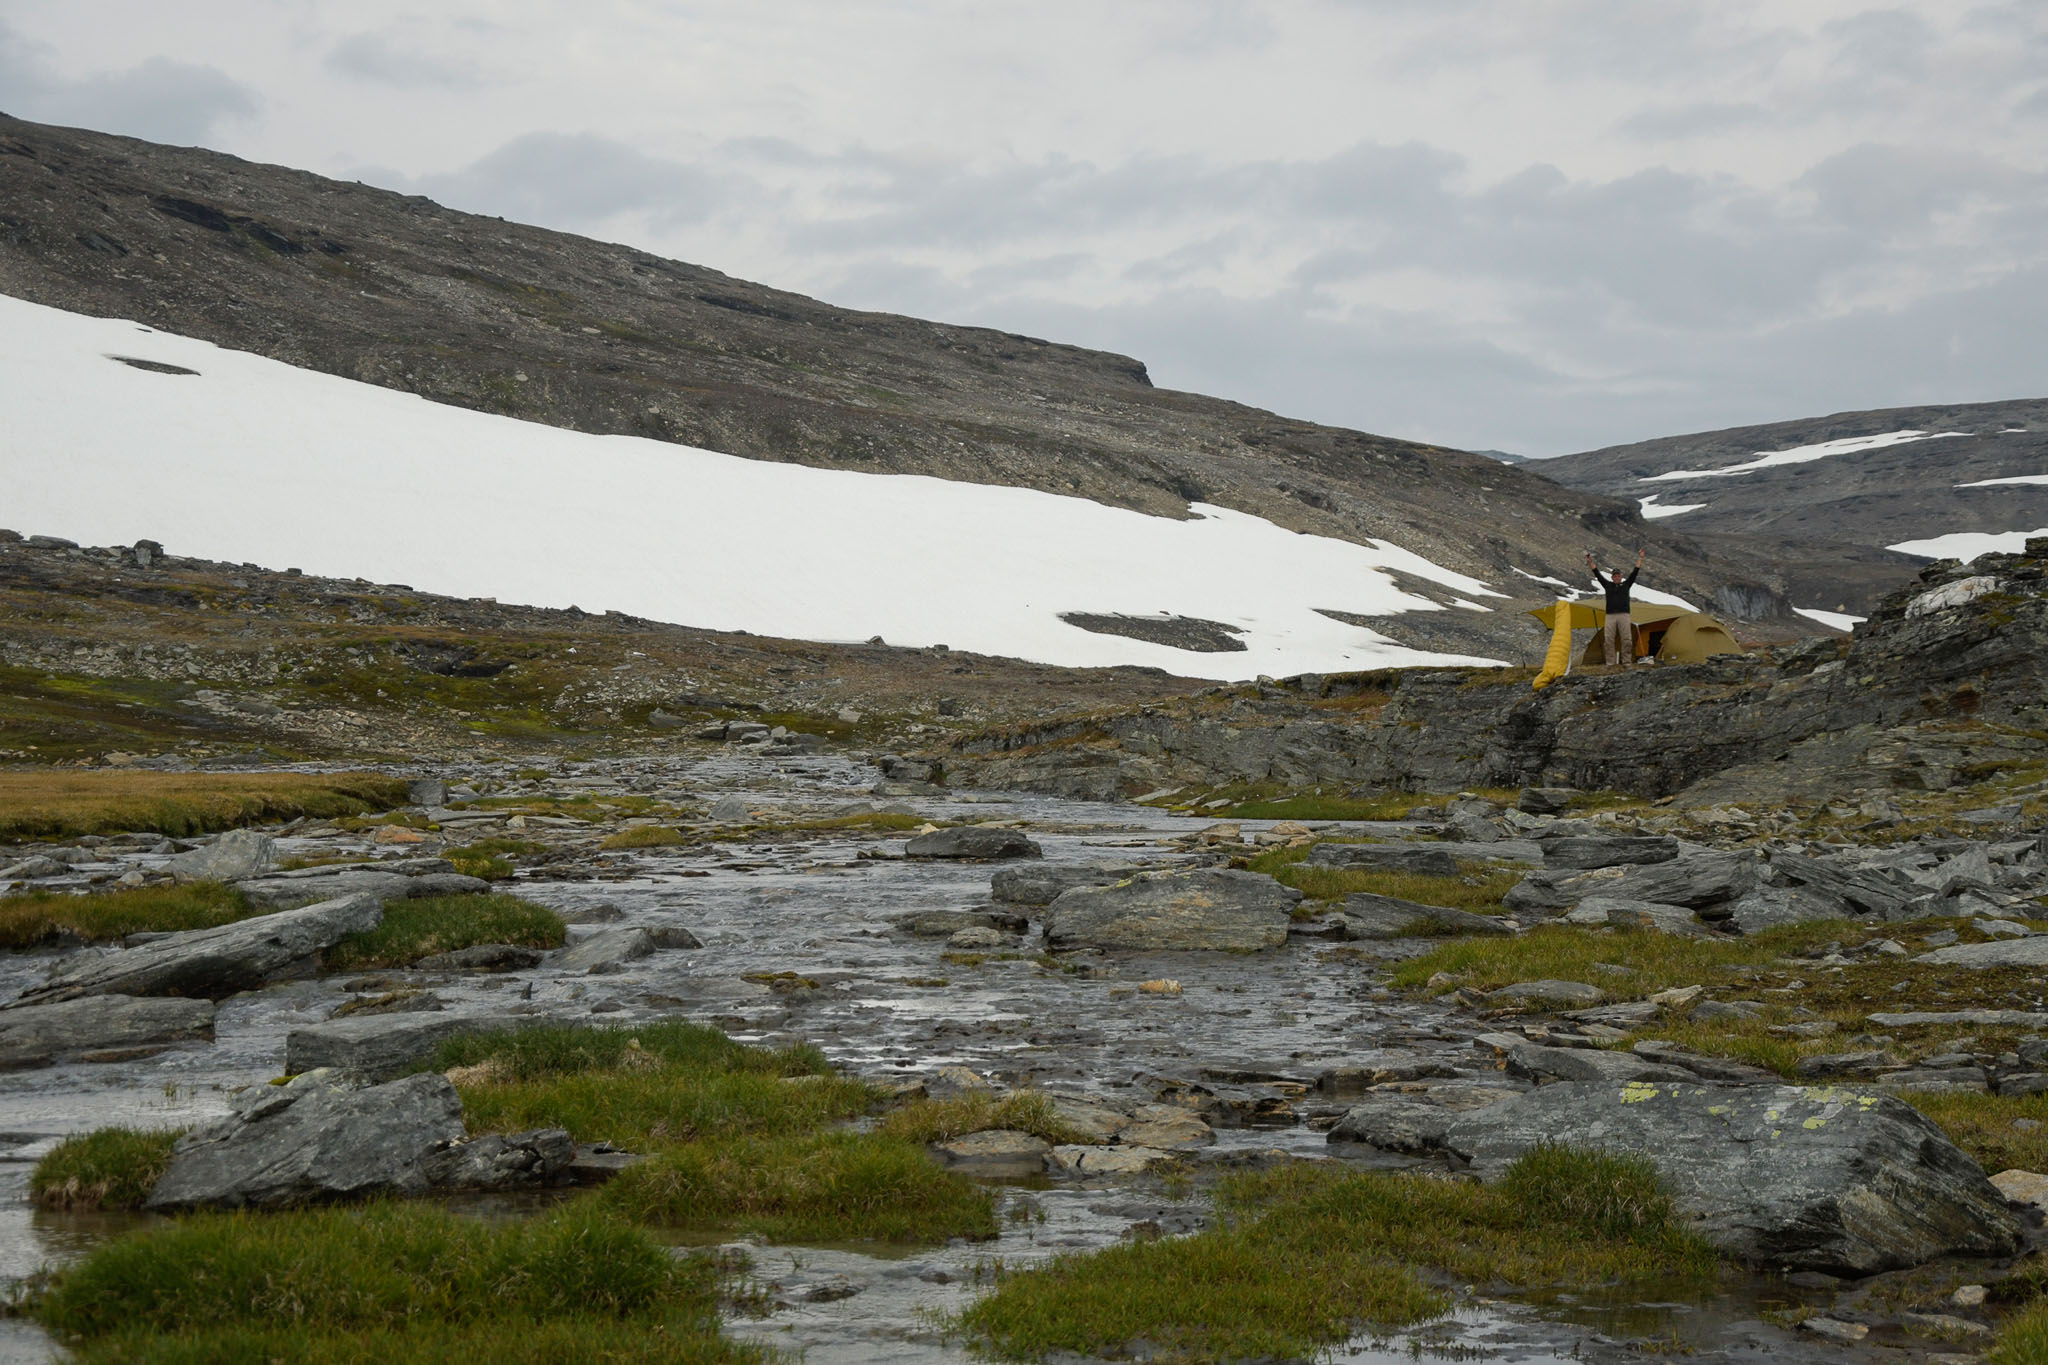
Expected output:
{"points": [[1304, 1256], [53, 804], [644, 836], [817, 1187], [109, 1168], [36, 916], [412, 1281], [413, 929], [1025, 1111], [643, 1089]]}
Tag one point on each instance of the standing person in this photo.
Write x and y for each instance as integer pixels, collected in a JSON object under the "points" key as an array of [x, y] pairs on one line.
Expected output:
{"points": [[1617, 637]]}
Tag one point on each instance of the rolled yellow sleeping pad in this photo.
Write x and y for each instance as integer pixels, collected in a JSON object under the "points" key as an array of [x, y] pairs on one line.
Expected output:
{"points": [[1558, 658]]}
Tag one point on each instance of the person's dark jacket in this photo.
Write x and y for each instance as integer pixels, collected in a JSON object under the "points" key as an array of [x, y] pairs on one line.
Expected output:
{"points": [[1617, 593]]}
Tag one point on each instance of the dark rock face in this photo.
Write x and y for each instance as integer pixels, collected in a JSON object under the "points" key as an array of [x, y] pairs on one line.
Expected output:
{"points": [[1206, 908], [215, 963], [1835, 1180], [972, 841], [37, 1035]]}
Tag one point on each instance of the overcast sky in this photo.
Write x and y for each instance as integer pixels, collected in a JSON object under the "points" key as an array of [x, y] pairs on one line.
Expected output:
{"points": [[1530, 225]]}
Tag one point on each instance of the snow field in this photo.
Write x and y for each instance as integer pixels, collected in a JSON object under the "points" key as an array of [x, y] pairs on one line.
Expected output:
{"points": [[1967, 545], [254, 460]]}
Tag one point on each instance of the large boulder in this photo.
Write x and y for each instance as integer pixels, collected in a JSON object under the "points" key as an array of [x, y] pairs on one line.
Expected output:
{"points": [[375, 1045], [1042, 883], [1831, 1179], [314, 1138], [323, 1136], [607, 950], [1370, 916], [1698, 881], [1204, 908], [972, 841], [215, 963], [37, 1035], [1433, 862], [238, 853]]}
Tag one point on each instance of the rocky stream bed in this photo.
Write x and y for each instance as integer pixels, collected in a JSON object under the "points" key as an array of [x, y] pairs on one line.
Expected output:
{"points": [[932, 972]]}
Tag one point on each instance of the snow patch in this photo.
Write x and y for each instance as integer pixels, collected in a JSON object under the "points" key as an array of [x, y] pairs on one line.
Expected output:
{"points": [[1833, 620], [254, 460], [1659, 599], [1967, 545], [1997, 483], [1805, 454], [1652, 512], [1557, 583]]}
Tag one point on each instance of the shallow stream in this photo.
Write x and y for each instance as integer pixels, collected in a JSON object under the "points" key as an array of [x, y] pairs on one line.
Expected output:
{"points": [[1255, 1029]]}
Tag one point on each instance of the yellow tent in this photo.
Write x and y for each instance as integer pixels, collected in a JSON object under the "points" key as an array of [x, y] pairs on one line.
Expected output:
{"points": [[1666, 633]]}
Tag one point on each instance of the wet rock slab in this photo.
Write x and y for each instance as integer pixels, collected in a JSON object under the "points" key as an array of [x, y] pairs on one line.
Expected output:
{"points": [[214, 963], [1828, 1179], [972, 841], [1207, 908], [378, 1045], [37, 1035]]}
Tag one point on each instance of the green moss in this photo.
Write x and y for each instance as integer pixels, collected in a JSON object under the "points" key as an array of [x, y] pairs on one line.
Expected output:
{"points": [[109, 1168], [413, 929], [820, 1187], [32, 917]]}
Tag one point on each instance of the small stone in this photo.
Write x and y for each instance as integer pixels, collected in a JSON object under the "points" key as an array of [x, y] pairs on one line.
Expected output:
{"points": [[2023, 1187], [397, 834], [997, 1153], [1834, 1329], [1968, 1296], [1160, 986]]}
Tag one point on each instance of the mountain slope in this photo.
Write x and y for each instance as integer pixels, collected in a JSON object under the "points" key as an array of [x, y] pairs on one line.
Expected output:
{"points": [[1830, 500], [552, 328]]}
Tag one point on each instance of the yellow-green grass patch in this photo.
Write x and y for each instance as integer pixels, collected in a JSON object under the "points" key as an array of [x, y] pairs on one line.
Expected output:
{"points": [[29, 918], [109, 1168], [2024, 1339], [413, 929], [1986, 1126], [1025, 1111], [806, 1187], [62, 804], [644, 836], [1306, 1256]]}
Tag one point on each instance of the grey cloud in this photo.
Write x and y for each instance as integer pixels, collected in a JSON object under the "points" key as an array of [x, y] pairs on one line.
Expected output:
{"points": [[1887, 43], [379, 59], [1899, 189], [163, 100], [1676, 122]]}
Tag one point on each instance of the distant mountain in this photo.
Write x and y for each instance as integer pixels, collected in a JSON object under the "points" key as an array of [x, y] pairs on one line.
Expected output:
{"points": [[1504, 456], [1834, 505]]}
